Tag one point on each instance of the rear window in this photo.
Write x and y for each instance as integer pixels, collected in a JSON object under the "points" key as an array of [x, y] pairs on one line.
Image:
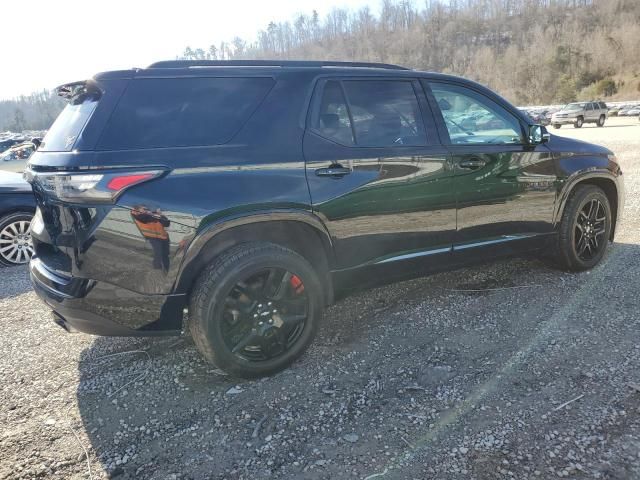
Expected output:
{"points": [[183, 112], [65, 130]]}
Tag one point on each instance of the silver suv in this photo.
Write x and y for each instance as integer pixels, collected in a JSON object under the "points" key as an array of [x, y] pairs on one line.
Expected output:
{"points": [[580, 113]]}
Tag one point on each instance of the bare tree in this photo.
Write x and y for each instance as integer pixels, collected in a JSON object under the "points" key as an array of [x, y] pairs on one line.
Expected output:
{"points": [[526, 49]]}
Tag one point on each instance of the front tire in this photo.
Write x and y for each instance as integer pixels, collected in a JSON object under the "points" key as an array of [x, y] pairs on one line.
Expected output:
{"points": [[579, 122], [556, 126], [255, 309], [585, 229]]}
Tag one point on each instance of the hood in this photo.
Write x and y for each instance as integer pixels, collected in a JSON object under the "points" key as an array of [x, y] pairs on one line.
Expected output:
{"points": [[13, 182], [573, 110], [564, 145]]}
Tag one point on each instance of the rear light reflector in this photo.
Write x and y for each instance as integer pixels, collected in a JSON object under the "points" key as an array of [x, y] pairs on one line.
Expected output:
{"points": [[118, 183]]}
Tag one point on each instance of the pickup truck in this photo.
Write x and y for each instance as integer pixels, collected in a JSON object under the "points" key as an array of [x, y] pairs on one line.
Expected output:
{"points": [[580, 113]]}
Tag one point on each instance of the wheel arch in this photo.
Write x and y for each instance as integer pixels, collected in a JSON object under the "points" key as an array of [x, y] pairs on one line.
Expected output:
{"points": [[17, 209], [604, 180], [300, 231]]}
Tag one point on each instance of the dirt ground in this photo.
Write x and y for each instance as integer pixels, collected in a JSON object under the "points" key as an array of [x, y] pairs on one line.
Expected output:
{"points": [[511, 370]]}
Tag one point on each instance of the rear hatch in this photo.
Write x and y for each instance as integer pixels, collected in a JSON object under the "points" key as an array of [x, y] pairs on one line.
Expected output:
{"points": [[76, 188]]}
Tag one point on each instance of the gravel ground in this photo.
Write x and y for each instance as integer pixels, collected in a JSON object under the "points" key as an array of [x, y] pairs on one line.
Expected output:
{"points": [[421, 379]]}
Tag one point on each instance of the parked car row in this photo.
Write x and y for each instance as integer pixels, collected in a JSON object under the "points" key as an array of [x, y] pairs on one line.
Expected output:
{"points": [[579, 113], [11, 139], [629, 111], [626, 109], [21, 151], [7, 142], [539, 116]]}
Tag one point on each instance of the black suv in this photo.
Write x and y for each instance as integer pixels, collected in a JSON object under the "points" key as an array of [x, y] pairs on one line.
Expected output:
{"points": [[241, 197]]}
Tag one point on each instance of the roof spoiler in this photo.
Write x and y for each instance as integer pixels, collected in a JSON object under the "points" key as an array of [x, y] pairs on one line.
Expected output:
{"points": [[73, 89], [69, 90]]}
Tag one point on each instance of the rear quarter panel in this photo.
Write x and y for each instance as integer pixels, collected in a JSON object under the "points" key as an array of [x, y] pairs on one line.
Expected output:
{"points": [[16, 201], [261, 168]]}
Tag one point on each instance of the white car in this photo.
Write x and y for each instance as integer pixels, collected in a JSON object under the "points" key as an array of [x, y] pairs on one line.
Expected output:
{"points": [[625, 111]]}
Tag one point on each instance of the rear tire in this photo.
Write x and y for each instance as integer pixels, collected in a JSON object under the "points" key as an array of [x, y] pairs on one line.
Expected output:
{"points": [[579, 122], [601, 121], [230, 322], [579, 228], [556, 125]]}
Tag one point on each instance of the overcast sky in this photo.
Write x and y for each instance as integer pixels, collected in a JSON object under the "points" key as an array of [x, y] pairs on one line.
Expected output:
{"points": [[45, 43]]}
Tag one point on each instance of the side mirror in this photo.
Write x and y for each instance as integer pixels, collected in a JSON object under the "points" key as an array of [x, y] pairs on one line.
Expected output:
{"points": [[538, 134]]}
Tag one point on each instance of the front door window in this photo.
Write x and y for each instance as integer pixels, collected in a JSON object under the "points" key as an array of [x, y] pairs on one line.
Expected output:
{"points": [[471, 118]]}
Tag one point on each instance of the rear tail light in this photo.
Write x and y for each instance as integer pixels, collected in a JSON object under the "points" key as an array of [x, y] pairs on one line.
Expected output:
{"points": [[102, 187]]}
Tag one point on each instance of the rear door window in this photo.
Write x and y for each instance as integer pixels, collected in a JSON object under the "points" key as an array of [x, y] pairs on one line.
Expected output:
{"points": [[385, 113], [370, 113], [183, 112], [333, 121]]}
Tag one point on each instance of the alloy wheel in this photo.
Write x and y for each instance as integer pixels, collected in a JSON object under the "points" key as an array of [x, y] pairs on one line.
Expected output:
{"points": [[264, 314], [16, 246], [590, 226]]}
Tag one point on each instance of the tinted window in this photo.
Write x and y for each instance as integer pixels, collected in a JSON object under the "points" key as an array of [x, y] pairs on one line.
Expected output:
{"points": [[472, 118], [65, 130], [159, 112], [385, 113], [589, 106], [333, 121]]}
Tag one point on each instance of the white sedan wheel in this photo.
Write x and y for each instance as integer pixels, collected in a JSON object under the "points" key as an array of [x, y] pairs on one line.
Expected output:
{"points": [[16, 246]]}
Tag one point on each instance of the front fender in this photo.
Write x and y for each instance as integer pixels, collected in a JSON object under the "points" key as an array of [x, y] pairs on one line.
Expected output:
{"points": [[590, 175]]}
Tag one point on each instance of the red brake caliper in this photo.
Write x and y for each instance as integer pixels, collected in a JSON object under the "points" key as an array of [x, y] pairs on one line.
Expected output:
{"points": [[296, 284]]}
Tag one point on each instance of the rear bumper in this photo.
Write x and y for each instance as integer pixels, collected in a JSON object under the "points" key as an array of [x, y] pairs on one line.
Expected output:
{"points": [[100, 308]]}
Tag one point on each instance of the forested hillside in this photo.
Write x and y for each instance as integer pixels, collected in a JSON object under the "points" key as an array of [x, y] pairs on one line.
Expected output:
{"points": [[531, 51], [31, 112]]}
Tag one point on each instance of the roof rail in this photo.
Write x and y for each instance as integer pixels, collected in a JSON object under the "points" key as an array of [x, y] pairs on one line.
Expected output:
{"points": [[269, 63]]}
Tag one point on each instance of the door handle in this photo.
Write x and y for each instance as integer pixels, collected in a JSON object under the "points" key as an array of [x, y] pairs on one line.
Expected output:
{"points": [[335, 171], [472, 163]]}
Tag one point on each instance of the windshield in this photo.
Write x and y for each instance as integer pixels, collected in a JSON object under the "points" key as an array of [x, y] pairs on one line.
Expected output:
{"points": [[65, 130], [575, 106]]}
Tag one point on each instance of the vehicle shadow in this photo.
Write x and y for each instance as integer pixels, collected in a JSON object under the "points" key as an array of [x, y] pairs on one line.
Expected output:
{"points": [[152, 407], [15, 281]]}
